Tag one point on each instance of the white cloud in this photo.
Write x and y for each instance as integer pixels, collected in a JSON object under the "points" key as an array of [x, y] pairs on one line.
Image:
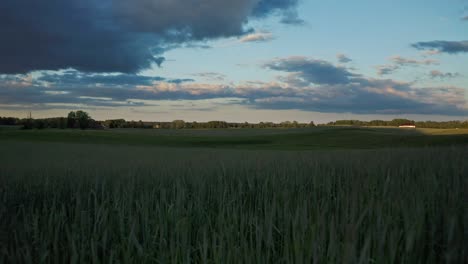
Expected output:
{"points": [[257, 37]]}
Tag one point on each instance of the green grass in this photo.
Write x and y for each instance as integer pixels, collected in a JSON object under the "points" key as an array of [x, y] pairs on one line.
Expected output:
{"points": [[287, 139], [148, 197]]}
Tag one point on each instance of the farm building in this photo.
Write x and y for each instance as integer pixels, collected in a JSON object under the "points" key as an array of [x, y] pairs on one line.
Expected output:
{"points": [[407, 126]]}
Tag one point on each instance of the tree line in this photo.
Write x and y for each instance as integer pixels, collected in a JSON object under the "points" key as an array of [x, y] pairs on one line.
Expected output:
{"points": [[181, 124], [82, 120], [74, 120], [399, 122]]}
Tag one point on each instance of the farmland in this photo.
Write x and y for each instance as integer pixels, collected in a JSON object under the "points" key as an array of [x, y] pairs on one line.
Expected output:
{"points": [[321, 195], [274, 139]]}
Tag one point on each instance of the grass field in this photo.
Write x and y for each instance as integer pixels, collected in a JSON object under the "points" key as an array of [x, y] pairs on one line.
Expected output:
{"points": [[274, 139], [321, 195]]}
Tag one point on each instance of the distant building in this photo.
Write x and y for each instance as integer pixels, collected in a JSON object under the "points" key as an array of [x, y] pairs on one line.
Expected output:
{"points": [[407, 126]]}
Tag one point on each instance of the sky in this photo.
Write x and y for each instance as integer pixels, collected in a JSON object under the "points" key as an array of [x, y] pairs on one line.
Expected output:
{"points": [[245, 60]]}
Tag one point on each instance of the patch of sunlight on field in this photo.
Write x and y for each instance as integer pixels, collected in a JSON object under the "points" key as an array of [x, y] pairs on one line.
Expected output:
{"points": [[434, 131]]}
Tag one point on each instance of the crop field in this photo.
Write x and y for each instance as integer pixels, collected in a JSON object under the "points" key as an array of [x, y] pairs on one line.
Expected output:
{"points": [[320, 138], [318, 195]]}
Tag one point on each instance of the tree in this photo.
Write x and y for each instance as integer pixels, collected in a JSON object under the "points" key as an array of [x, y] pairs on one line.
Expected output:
{"points": [[40, 124], [83, 119], [71, 119], [9, 121], [62, 123], [178, 124], [217, 124], [115, 123], [28, 123], [400, 121], [78, 119]]}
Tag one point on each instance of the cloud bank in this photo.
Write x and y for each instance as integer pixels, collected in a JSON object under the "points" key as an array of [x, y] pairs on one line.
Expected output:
{"points": [[118, 35], [303, 83]]}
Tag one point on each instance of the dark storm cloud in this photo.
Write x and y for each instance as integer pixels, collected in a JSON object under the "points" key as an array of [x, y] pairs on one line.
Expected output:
{"points": [[451, 47], [57, 34], [312, 70], [116, 35]]}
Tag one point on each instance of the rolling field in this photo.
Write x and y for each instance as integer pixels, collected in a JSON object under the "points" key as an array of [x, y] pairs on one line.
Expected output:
{"points": [[320, 195], [272, 139]]}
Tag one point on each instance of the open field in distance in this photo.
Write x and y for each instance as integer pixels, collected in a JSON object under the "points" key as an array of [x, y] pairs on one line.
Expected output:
{"points": [[287, 139]]}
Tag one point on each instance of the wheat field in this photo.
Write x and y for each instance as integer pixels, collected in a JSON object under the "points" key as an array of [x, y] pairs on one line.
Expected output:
{"points": [[84, 203]]}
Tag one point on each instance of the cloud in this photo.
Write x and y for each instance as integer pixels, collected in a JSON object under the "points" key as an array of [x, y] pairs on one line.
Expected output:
{"points": [[159, 60], [398, 62], [401, 61], [285, 7], [73, 87], [441, 75], [117, 35], [304, 84], [214, 76], [100, 89], [386, 69], [311, 71], [257, 37], [430, 53], [451, 47], [352, 93], [16, 81], [465, 18], [371, 96], [73, 77], [291, 18], [342, 58], [185, 80]]}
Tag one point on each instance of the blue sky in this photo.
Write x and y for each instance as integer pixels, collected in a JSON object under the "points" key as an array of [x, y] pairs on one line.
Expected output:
{"points": [[252, 60]]}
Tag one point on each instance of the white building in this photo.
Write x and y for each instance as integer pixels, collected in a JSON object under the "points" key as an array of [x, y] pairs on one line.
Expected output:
{"points": [[407, 126]]}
